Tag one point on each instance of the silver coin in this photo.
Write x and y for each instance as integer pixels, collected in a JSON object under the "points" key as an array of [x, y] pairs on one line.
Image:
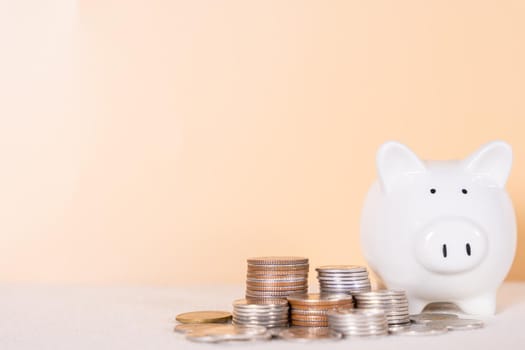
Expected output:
{"points": [[263, 324], [459, 324], [220, 333], [343, 278], [442, 307], [257, 313], [383, 293], [418, 329], [260, 311], [260, 317], [306, 334], [191, 327], [430, 317], [251, 293], [279, 318]]}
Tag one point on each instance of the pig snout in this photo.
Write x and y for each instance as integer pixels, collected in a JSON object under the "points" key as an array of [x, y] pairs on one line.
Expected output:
{"points": [[451, 245]]}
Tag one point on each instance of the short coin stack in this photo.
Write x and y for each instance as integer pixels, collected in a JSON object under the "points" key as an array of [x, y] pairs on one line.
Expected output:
{"points": [[393, 302], [343, 279], [268, 315], [275, 278], [310, 310], [355, 322]]}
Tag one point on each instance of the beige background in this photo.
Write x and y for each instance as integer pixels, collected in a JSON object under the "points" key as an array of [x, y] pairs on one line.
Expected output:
{"points": [[164, 142]]}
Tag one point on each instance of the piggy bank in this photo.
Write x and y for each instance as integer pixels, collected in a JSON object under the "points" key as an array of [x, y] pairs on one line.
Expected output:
{"points": [[443, 231]]}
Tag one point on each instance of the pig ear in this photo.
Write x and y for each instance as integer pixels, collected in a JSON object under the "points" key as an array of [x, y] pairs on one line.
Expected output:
{"points": [[492, 160], [396, 163]]}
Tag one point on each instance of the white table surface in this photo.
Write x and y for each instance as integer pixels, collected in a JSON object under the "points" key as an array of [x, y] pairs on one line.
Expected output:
{"points": [[75, 317]]}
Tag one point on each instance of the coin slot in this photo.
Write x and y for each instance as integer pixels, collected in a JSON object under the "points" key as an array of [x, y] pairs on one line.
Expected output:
{"points": [[445, 250], [468, 249]]}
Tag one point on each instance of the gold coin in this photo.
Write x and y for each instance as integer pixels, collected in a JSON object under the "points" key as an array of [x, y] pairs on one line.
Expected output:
{"points": [[204, 317]]}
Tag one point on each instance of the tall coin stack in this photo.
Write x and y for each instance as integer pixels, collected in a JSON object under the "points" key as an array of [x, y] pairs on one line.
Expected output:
{"points": [[310, 310], [361, 323], [267, 315], [393, 302], [275, 278], [343, 279]]}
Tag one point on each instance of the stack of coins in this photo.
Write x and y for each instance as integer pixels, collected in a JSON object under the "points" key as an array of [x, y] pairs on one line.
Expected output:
{"points": [[267, 315], [310, 310], [355, 322], [393, 302], [343, 279], [275, 278]]}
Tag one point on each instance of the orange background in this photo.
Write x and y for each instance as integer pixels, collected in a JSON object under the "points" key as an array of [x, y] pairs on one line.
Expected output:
{"points": [[165, 142]]}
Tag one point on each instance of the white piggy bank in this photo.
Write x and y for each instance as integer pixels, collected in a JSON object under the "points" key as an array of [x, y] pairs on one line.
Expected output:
{"points": [[443, 231]]}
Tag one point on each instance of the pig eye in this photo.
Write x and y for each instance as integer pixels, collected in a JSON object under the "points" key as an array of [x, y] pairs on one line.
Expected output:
{"points": [[464, 191], [432, 190]]}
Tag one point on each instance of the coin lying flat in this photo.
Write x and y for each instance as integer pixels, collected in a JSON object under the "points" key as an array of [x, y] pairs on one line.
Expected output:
{"points": [[460, 324], [222, 333], [430, 317], [204, 317], [419, 329], [307, 334], [190, 327]]}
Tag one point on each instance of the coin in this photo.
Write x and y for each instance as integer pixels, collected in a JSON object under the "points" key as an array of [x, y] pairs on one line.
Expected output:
{"points": [[419, 329], [309, 318], [271, 304], [318, 299], [309, 323], [278, 260], [306, 334], [270, 294], [430, 317], [293, 279], [204, 317], [341, 268], [459, 324], [442, 307], [278, 268], [221, 333], [190, 327]]}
